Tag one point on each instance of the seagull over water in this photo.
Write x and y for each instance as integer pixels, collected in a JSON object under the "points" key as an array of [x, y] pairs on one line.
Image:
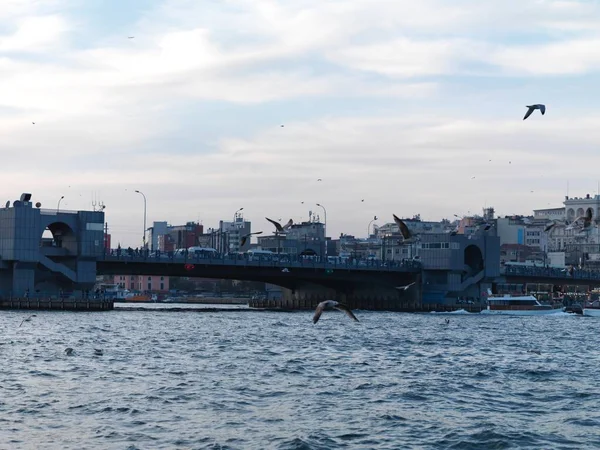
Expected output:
{"points": [[27, 319], [405, 288], [532, 108], [332, 304]]}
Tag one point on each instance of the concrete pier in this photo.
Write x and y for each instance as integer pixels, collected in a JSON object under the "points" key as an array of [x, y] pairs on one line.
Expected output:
{"points": [[55, 304]]}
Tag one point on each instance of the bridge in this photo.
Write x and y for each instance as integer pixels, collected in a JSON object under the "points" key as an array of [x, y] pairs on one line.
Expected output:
{"points": [[550, 275], [449, 268], [305, 281]]}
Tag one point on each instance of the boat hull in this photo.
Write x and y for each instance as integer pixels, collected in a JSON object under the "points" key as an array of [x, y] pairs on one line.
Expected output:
{"points": [[591, 312], [522, 312]]}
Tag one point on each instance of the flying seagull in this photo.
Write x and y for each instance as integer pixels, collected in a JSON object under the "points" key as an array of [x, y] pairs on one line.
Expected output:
{"points": [[130, 37], [405, 288], [550, 226], [98, 352], [332, 304], [278, 227], [246, 236], [532, 108], [319, 179], [27, 319], [68, 351], [406, 234], [587, 220]]}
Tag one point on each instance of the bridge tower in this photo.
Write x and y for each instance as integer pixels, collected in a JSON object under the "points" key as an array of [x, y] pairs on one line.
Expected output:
{"points": [[65, 260]]}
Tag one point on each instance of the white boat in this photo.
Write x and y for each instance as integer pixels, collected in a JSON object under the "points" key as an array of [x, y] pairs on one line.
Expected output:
{"points": [[591, 312], [518, 305], [592, 309]]}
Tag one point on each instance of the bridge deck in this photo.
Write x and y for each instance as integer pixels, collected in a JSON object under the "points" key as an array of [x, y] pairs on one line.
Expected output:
{"points": [[298, 263]]}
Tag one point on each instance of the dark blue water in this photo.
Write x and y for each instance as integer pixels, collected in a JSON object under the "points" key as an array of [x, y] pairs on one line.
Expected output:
{"points": [[266, 380]]}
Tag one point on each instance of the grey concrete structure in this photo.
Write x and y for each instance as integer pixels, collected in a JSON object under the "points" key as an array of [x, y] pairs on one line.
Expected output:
{"points": [[64, 262], [457, 267]]}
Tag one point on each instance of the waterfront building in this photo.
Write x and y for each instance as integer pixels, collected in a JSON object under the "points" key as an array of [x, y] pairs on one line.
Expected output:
{"points": [[143, 283]]}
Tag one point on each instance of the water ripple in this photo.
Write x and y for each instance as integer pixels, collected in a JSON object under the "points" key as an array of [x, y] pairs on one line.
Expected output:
{"points": [[270, 380]]}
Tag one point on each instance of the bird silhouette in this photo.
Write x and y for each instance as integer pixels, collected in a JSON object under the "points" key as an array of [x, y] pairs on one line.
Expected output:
{"points": [[246, 236], [532, 108], [332, 304], [278, 227], [406, 234]]}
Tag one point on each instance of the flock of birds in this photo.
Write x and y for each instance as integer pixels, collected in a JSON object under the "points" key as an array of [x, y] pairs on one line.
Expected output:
{"points": [[69, 350], [580, 224], [333, 304]]}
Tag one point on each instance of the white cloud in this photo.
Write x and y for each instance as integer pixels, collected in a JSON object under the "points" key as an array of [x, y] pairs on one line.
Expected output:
{"points": [[34, 35], [364, 90]]}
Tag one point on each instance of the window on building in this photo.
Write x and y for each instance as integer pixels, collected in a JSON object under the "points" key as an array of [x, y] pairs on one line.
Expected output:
{"points": [[149, 278], [132, 278], [162, 278], [162, 286], [149, 286]]}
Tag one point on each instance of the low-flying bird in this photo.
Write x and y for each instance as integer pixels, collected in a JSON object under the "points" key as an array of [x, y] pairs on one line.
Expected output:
{"points": [[587, 220], [551, 225], [405, 288], [532, 108], [130, 37], [285, 270], [319, 179], [332, 304], [27, 319], [406, 234], [68, 351], [98, 352], [278, 227], [245, 237]]}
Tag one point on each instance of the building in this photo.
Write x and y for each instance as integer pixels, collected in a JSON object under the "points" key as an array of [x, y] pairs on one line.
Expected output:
{"points": [[143, 283], [228, 238], [154, 232], [305, 238], [167, 238]]}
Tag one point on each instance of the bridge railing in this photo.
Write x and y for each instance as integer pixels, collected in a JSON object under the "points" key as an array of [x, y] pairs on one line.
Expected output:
{"points": [[551, 272], [253, 261]]}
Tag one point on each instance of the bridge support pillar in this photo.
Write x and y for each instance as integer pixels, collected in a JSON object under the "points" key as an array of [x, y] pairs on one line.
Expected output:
{"points": [[23, 279]]}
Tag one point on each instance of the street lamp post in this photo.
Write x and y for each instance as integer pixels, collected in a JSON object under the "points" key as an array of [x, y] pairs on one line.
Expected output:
{"points": [[369, 226], [144, 235], [58, 206], [324, 227], [235, 214]]}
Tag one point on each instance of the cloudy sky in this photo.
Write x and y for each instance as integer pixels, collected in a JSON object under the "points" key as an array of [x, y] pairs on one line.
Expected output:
{"points": [[394, 102]]}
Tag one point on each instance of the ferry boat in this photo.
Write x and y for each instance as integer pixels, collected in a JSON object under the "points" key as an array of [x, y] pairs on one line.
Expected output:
{"points": [[592, 309], [517, 305]]}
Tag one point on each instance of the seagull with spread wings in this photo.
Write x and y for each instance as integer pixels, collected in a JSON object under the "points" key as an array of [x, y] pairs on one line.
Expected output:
{"points": [[245, 237], [532, 108], [327, 304], [278, 227], [406, 234]]}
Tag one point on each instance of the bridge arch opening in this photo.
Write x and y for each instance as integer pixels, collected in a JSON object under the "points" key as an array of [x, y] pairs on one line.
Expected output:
{"points": [[60, 235], [473, 259]]}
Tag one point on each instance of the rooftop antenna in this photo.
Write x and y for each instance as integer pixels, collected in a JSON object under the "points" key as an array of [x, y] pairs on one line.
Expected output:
{"points": [[567, 189]]}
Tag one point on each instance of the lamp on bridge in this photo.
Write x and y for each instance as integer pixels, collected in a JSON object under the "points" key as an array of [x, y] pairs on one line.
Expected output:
{"points": [[57, 206]]}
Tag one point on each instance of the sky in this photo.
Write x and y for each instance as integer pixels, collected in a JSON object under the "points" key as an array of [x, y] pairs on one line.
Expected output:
{"points": [[399, 107]]}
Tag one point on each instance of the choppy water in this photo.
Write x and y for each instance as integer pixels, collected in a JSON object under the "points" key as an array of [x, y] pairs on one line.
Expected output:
{"points": [[274, 381]]}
